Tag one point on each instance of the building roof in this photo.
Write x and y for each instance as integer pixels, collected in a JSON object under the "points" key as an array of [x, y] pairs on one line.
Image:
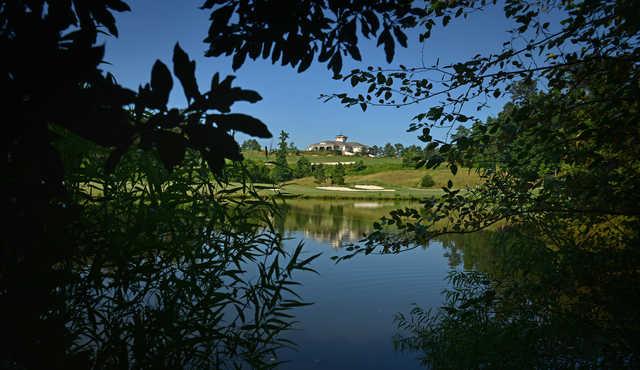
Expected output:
{"points": [[333, 142]]}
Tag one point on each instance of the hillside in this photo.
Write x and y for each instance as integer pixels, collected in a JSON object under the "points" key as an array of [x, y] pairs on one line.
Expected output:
{"points": [[398, 182]]}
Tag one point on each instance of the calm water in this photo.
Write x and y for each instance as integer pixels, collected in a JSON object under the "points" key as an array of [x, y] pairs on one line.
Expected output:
{"points": [[350, 325]]}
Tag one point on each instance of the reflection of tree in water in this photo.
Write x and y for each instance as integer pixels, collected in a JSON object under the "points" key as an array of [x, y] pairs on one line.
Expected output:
{"points": [[337, 223], [469, 250], [525, 305]]}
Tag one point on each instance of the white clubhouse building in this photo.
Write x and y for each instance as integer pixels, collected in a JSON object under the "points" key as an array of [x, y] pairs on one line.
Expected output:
{"points": [[339, 144]]}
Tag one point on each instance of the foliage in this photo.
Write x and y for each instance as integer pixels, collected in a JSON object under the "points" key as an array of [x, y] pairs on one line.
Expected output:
{"points": [[337, 174], [281, 171], [251, 144], [247, 170], [73, 95], [319, 173], [173, 283], [566, 163], [358, 166], [563, 156], [412, 156], [427, 181], [303, 168], [389, 150], [375, 151], [294, 32], [399, 149], [560, 162], [552, 309]]}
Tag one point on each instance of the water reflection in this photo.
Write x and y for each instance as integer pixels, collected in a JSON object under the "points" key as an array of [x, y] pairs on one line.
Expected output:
{"points": [[510, 301], [569, 307], [336, 222], [350, 325]]}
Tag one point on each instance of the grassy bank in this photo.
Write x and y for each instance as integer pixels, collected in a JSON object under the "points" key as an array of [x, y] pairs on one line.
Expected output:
{"points": [[401, 183]]}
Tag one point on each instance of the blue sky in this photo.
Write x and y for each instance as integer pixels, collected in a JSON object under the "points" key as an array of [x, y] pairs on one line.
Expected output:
{"points": [[290, 99]]}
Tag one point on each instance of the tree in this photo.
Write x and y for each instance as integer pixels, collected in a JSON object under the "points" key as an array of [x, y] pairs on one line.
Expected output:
{"points": [[337, 174], [388, 150], [589, 104], [324, 27], [412, 156], [375, 151], [303, 168], [461, 132], [251, 144], [566, 157], [281, 171], [578, 83], [399, 149], [359, 166], [319, 173], [73, 97], [560, 168], [529, 311]]}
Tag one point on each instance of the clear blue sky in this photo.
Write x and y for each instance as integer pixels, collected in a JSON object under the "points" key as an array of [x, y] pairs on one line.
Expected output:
{"points": [[290, 99]]}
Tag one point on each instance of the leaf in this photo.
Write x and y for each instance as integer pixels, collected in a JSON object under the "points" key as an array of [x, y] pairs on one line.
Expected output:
{"points": [[161, 84], [386, 39], [171, 148], [400, 36], [335, 64], [221, 16], [453, 168], [222, 95], [372, 19], [348, 32], [355, 52], [185, 70], [214, 145], [118, 5], [238, 59], [305, 62], [240, 122], [104, 17]]}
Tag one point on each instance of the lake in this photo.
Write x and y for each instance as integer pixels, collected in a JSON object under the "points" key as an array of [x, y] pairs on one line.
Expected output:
{"points": [[351, 322]]}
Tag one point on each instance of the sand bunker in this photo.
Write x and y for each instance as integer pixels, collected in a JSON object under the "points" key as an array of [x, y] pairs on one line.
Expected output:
{"points": [[344, 188], [333, 163], [368, 187]]}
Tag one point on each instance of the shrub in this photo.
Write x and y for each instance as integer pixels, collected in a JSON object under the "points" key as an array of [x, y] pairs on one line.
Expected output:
{"points": [[303, 168], [359, 166], [427, 181], [319, 174], [337, 175]]}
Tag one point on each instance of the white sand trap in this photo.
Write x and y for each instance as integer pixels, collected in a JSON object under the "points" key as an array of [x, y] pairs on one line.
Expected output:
{"points": [[333, 163], [368, 187], [336, 188], [344, 188]]}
